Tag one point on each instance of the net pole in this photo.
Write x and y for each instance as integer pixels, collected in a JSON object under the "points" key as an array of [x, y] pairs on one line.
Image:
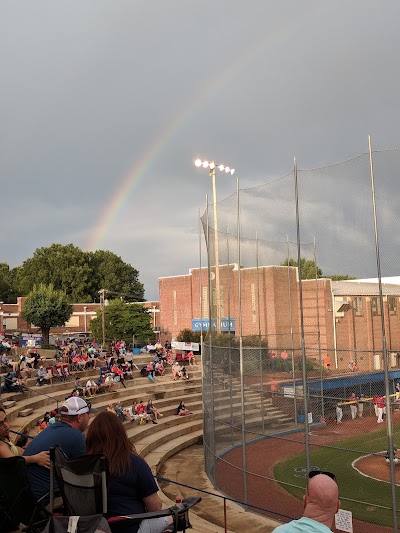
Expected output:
{"points": [[230, 340], [259, 335], [303, 348], [291, 329], [321, 377], [243, 415], [216, 244], [211, 435], [384, 345], [200, 291]]}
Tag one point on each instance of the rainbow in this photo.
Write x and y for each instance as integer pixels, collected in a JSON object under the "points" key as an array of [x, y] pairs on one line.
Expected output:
{"points": [[138, 171]]}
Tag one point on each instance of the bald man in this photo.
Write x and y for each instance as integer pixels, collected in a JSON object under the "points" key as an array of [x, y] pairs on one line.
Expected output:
{"points": [[321, 503]]}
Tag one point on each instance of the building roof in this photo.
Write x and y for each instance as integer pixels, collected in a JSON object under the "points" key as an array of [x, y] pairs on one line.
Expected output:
{"points": [[363, 288]]}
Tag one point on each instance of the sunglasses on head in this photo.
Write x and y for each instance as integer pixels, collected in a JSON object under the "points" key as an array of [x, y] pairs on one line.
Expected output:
{"points": [[314, 473]]}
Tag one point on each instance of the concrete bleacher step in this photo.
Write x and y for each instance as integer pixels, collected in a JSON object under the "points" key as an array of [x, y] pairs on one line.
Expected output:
{"points": [[146, 442], [26, 412], [172, 390], [9, 404]]}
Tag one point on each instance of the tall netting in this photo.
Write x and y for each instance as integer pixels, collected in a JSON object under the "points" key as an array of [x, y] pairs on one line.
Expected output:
{"points": [[301, 364]]}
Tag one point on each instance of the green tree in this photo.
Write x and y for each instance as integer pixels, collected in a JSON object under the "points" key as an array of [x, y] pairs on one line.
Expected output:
{"points": [[64, 267], [110, 272], [187, 335], [8, 292], [309, 270], [340, 277], [123, 321], [46, 307], [80, 274]]}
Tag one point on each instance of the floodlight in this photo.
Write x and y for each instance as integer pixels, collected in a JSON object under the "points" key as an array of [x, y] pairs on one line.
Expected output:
{"points": [[198, 162], [212, 165], [221, 167], [205, 164]]}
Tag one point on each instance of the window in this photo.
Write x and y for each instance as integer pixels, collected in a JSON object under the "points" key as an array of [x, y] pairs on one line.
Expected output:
{"points": [[358, 306], [375, 306], [392, 304]]}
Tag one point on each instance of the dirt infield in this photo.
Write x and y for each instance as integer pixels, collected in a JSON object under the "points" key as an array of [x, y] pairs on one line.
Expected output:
{"points": [[376, 467], [264, 455]]}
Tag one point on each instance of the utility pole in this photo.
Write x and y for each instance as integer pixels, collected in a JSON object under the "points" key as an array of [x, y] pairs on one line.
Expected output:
{"points": [[103, 325]]}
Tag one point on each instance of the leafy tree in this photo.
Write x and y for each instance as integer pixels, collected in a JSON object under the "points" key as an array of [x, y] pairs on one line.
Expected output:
{"points": [[64, 267], [340, 277], [123, 321], [46, 307], [80, 274], [309, 270], [110, 272], [8, 294], [187, 335]]}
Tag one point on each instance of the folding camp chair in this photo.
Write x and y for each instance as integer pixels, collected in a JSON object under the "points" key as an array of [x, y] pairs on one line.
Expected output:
{"points": [[18, 504], [83, 486]]}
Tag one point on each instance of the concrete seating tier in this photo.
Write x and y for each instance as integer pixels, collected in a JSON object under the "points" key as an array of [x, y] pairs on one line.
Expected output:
{"points": [[156, 443], [135, 389]]}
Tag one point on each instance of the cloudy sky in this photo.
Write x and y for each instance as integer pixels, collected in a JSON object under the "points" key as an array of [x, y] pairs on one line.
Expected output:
{"points": [[105, 104]]}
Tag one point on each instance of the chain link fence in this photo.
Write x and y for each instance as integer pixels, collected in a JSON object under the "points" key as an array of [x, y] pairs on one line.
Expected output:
{"points": [[298, 358]]}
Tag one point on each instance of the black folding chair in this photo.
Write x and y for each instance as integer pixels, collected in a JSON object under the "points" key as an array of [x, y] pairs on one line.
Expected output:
{"points": [[18, 504], [83, 486], [82, 483]]}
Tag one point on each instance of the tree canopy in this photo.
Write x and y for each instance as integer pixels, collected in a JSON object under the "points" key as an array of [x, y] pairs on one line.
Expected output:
{"points": [[45, 308], [8, 293], [309, 270], [187, 335], [79, 274], [123, 321]]}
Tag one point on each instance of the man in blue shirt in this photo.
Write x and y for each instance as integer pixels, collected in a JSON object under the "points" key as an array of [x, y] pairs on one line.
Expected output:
{"points": [[67, 434], [321, 503]]}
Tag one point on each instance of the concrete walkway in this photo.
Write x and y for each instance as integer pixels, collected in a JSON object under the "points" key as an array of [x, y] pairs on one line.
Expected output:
{"points": [[188, 467]]}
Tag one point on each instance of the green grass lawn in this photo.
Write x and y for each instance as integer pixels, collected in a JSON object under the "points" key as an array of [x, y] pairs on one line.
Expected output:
{"points": [[369, 500]]}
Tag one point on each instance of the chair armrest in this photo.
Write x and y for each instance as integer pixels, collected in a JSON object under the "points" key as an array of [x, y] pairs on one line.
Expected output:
{"points": [[187, 503]]}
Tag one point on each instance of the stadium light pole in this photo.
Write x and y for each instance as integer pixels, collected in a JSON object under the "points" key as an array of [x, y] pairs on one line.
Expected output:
{"points": [[222, 168]]}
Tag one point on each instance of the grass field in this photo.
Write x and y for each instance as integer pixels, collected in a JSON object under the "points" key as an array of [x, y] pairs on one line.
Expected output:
{"points": [[369, 500]]}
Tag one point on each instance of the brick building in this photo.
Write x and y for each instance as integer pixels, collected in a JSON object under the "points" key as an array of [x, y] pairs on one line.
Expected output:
{"points": [[82, 314], [341, 318]]}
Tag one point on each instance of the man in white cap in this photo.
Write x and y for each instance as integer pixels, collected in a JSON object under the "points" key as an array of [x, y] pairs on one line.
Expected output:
{"points": [[67, 434]]}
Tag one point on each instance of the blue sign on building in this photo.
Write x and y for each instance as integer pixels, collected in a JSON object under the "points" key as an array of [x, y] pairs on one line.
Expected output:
{"points": [[227, 324]]}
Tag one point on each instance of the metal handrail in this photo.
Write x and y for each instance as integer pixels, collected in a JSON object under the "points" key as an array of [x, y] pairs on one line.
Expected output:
{"points": [[225, 499]]}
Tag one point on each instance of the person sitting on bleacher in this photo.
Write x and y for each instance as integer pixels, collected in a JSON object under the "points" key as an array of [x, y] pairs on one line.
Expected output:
{"points": [[159, 368], [176, 370], [24, 367], [184, 372], [42, 376], [109, 382], [141, 411], [5, 361], [182, 411], [11, 383], [191, 358], [91, 387], [79, 387]]}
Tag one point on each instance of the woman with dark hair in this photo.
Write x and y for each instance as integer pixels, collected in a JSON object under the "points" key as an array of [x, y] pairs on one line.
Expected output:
{"points": [[182, 411], [9, 449], [131, 487]]}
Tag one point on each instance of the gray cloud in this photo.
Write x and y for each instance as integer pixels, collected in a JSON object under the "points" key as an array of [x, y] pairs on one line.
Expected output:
{"points": [[89, 88]]}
